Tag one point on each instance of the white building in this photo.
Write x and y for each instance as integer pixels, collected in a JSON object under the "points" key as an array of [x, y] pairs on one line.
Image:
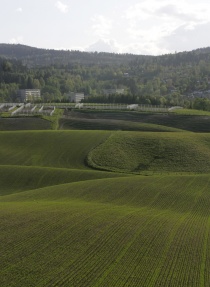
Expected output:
{"points": [[29, 95], [75, 97]]}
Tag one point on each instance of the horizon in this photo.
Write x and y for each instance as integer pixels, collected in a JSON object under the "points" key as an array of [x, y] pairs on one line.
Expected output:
{"points": [[117, 53], [139, 27]]}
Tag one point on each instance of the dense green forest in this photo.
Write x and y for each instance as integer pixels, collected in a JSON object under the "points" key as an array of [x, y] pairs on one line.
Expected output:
{"points": [[172, 79]]}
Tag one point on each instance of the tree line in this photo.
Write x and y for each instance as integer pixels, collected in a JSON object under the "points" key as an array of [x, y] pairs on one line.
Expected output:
{"points": [[162, 80]]}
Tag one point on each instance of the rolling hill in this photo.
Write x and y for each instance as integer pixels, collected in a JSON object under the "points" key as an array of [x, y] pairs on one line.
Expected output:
{"points": [[136, 231], [104, 208], [153, 152]]}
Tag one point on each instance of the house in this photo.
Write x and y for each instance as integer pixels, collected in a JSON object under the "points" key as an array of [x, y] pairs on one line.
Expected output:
{"points": [[75, 97], [29, 95]]}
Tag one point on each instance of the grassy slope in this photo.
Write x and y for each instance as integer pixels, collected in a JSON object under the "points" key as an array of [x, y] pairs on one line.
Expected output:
{"points": [[153, 152], [62, 149], [132, 231], [31, 160], [139, 231], [20, 178]]}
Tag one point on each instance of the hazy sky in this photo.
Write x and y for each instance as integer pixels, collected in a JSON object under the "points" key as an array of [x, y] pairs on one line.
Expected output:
{"points": [[125, 26]]}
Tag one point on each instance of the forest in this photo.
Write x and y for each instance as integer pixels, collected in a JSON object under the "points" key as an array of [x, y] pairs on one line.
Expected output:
{"points": [[181, 79]]}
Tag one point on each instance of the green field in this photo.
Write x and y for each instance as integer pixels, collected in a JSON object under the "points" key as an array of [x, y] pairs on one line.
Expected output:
{"points": [[27, 123], [111, 124], [191, 112], [179, 120], [136, 231], [48, 148], [105, 208], [28, 178]]}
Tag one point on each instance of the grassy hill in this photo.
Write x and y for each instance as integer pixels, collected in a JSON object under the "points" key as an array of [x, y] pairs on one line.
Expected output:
{"points": [[16, 179], [151, 152], [48, 148], [138, 231], [117, 151], [64, 223]]}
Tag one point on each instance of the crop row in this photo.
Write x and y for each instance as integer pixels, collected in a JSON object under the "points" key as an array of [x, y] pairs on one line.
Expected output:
{"points": [[134, 231], [41, 232], [102, 252]]}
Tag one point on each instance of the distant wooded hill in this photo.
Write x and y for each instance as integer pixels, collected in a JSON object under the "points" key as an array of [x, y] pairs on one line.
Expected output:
{"points": [[171, 79], [41, 57], [32, 56]]}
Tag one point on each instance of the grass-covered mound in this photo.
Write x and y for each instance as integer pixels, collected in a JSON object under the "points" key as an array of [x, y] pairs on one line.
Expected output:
{"points": [[174, 192], [20, 178], [138, 231], [61, 149], [153, 152]]}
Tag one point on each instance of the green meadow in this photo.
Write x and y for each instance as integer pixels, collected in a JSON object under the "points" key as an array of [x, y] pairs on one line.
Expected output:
{"points": [[27, 123], [106, 206]]}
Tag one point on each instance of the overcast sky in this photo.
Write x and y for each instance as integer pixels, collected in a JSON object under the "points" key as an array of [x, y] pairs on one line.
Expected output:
{"points": [[150, 27]]}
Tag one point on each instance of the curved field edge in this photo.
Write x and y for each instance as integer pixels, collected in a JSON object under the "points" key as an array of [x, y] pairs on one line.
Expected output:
{"points": [[60, 149], [192, 122], [148, 231], [174, 192], [139, 152], [105, 124], [20, 178]]}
